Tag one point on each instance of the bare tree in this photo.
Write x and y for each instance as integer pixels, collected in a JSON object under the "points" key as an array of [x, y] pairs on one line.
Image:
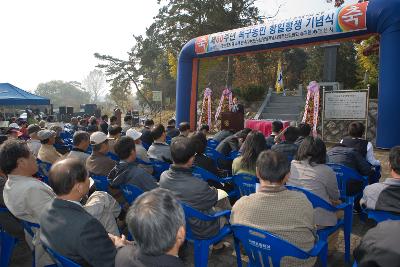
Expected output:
{"points": [[95, 84]]}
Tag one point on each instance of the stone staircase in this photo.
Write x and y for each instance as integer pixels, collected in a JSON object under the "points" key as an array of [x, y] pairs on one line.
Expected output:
{"points": [[279, 107]]}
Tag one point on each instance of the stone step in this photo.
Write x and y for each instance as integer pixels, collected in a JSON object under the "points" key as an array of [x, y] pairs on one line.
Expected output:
{"points": [[286, 109], [285, 117], [286, 100], [278, 105]]}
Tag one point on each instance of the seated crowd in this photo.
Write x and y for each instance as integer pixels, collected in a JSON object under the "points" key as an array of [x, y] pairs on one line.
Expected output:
{"points": [[91, 227]]}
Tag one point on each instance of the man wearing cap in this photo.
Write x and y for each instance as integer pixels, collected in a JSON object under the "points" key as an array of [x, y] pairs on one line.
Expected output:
{"points": [[98, 163], [47, 151], [141, 152], [34, 141]]}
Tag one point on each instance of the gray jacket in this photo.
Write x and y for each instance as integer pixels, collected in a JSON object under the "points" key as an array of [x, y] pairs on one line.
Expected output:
{"points": [[382, 196], [160, 151], [131, 173], [320, 180], [194, 192]]}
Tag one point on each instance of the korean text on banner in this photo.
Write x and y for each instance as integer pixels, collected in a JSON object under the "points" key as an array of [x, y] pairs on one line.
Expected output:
{"points": [[345, 19]]}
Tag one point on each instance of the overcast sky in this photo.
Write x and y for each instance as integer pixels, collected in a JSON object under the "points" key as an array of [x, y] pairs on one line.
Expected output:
{"points": [[46, 40]]}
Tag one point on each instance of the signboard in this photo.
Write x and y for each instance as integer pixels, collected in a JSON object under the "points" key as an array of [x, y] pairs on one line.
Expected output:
{"points": [[346, 105], [157, 96], [345, 19]]}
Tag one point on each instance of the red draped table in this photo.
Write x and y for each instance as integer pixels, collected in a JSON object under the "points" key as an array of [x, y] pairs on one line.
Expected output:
{"points": [[263, 126]]}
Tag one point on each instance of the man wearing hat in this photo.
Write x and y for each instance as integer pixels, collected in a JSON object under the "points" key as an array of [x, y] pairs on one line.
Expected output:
{"points": [[34, 141], [47, 151], [98, 163], [141, 153]]}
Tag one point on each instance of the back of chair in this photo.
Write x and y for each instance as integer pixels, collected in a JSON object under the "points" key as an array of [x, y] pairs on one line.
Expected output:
{"points": [[131, 192], [245, 183], [168, 140], [193, 213], [159, 167], [380, 216], [28, 226], [315, 200], [60, 261], [43, 170], [112, 156], [142, 162], [7, 244], [145, 145], [261, 245], [204, 174], [344, 175], [211, 143], [101, 182]]}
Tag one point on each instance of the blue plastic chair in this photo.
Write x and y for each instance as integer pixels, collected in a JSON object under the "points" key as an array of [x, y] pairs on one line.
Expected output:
{"points": [[211, 143], [216, 156], [101, 182], [355, 264], [7, 244], [245, 184], [130, 192], [380, 215], [43, 170], [261, 245], [159, 167], [206, 175], [28, 226], [201, 246], [233, 155], [145, 145], [345, 223], [112, 156], [60, 260], [344, 175], [168, 140]]}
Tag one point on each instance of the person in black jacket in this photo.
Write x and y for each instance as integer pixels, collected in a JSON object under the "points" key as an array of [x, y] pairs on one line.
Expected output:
{"points": [[157, 223], [191, 190], [171, 129], [147, 137], [67, 228], [277, 127], [379, 246], [104, 124], [127, 171]]}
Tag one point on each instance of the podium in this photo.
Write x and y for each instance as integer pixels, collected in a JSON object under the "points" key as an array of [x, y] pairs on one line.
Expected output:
{"points": [[232, 121]]}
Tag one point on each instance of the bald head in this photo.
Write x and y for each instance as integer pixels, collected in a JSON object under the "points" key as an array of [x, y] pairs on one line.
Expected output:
{"points": [[64, 174]]}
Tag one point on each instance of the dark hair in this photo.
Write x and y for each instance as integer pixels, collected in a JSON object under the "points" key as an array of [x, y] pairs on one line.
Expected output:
{"points": [[312, 148], [104, 117], [291, 134], [182, 150], [304, 129], [184, 126], [10, 152], [171, 122], [148, 122], [394, 159], [93, 121], [252, 147], [124, 146], [114, 130], [157, 131], [83, 121], [243, 133], [356, 129], [113, 119], [199, 142], [45, 141], [204, 127], [64, 174], [79, 137], [154, 220], [127, 118], [277, 126], [272, 166]]}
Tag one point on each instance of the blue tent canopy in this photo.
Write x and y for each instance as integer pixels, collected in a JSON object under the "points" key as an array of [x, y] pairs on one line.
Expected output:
{"points": [[11, 95]]}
